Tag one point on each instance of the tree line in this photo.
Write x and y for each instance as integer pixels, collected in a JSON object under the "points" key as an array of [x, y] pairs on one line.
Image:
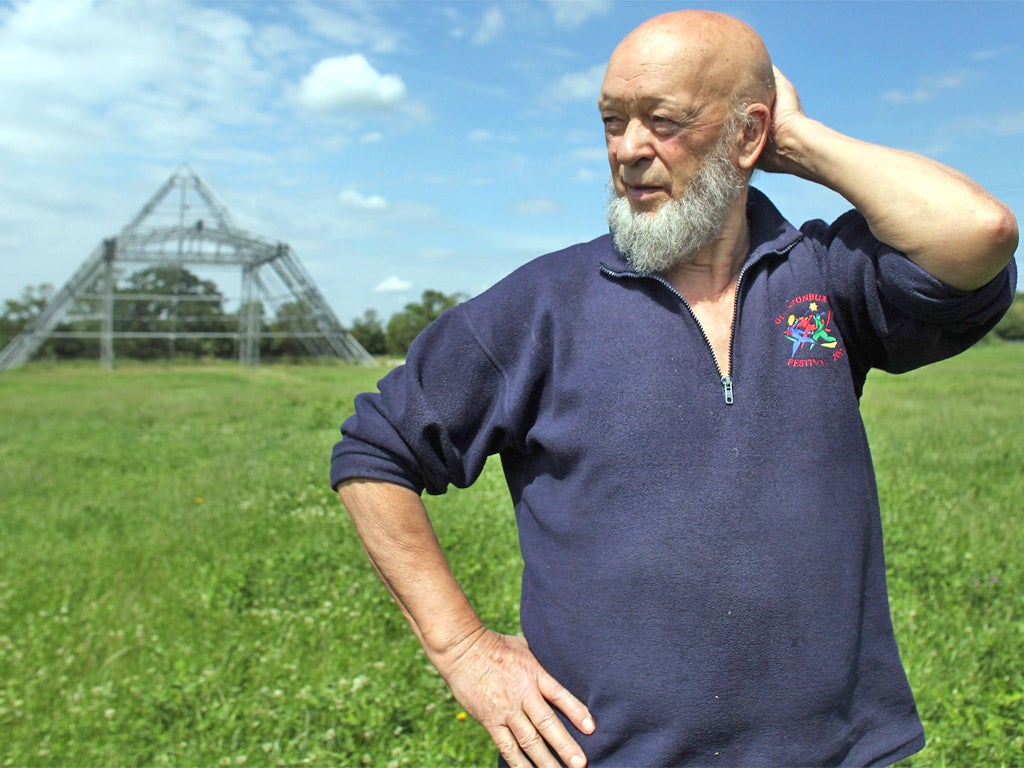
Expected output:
{"points": [[393, 337], [159, 306], [173, 300]]}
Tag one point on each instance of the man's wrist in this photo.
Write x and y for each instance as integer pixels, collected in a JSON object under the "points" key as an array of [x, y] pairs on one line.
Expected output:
{"points": [[445, 638], [803, 146]]}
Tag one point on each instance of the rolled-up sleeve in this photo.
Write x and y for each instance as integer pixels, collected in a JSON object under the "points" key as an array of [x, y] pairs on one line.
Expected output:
{"points": [[433, 421], [900, 315]]}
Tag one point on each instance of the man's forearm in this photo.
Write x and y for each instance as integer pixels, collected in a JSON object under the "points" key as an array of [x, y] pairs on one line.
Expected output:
{"points": [[942, 221], [400, 541]]}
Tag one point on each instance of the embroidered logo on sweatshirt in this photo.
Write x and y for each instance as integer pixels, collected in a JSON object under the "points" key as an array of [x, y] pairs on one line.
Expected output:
{"points": [[807, 326]]}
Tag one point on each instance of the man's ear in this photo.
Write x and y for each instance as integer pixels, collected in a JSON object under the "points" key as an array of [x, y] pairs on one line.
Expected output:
{"points": [[754, 135]]}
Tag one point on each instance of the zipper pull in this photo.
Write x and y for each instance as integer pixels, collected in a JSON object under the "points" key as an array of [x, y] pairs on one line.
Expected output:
{"points": [[727, 389]]}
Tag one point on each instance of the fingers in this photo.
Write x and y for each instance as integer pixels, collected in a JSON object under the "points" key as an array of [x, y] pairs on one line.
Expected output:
{"points": [[508, 747], [529, 740], [549, 731], [567, 704], [787, 99], [532, 748]]}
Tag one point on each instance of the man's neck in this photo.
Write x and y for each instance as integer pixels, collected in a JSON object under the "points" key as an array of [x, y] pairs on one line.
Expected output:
{"points": [[713, 272]]}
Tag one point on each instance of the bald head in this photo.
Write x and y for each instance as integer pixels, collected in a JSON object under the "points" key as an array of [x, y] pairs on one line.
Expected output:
{"points": [[720, 55]]}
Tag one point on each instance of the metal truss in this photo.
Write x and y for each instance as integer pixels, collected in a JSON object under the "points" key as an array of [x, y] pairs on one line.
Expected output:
{"points": [[185, 223]]}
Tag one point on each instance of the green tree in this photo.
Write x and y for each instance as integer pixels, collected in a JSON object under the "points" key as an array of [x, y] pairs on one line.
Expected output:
{"points": [[170, 300], [404, 326], [18, 312], [1011, 327], [368, 330], [291, 318]]}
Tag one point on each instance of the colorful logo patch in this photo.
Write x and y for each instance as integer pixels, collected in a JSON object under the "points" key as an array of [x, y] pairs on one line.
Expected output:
{"points": [[807, 326]]}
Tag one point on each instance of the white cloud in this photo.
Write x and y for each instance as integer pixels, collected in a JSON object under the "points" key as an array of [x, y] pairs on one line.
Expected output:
{"points": [[392, 284], [1007, 125], [349, 82], [92, 77], [987, 54], [436, 253], [917, 96], [491, 25], [352, 24], [955, 131], [352, 199], [481, 135], [454, 21], [929, 88], [373, 137], [572, 13], [536, 206], [579, 86]]}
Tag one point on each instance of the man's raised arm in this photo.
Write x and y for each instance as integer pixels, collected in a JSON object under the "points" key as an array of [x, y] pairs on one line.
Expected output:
{"points": [[943, 221], [494, 677]]}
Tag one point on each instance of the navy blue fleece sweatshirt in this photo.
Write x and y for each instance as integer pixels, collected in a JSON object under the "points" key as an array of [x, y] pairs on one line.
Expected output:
{"points": [[703, 556]]}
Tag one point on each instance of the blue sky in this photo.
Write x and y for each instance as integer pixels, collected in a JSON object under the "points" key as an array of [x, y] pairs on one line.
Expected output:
{"points": [[400, 146]]}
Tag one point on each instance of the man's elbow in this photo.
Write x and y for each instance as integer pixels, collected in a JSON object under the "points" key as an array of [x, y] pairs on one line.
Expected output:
{"points": [[1000, 231], [995, 236]]}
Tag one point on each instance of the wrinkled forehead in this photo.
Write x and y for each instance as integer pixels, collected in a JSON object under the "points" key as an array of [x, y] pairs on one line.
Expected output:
{"points": [[673, 73]]}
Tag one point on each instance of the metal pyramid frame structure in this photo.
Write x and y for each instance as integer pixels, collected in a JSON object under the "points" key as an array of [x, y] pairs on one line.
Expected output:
{"points": [[185, 223]]}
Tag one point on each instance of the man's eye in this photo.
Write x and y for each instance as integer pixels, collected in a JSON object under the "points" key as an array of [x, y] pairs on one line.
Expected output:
{"points": [[664, 125], [613, 124]]}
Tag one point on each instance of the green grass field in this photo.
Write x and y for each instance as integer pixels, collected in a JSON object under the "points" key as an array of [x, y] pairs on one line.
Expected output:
{"points": [[179, 585]]}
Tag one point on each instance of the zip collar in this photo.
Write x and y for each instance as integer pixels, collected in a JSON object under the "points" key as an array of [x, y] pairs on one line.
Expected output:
{"points": [[770, 234]]}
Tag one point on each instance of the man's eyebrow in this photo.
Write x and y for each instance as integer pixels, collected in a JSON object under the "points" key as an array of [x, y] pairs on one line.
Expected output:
{"points": [[649, 104]]}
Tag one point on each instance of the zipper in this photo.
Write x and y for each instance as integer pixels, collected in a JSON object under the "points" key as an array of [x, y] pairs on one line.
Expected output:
{"points": [[728, 393], [727, 389], [726, 379]]}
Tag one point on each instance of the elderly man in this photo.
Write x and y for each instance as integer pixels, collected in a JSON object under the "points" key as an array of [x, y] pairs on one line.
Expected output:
{"points": [[676, 410]]}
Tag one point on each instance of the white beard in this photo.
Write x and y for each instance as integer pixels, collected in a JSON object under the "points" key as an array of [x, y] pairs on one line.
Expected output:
{"points": [[679, 229]]}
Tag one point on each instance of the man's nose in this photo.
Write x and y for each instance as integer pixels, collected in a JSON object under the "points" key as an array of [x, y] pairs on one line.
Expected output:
{"points": [[634, 144]]}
